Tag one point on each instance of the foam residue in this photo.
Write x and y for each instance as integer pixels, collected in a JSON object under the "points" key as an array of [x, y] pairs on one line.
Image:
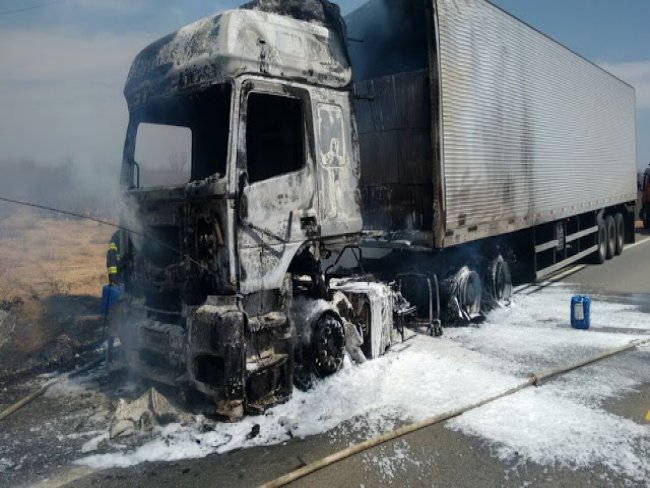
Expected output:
{"points": [[428, 378], [561, 424], [542, 426], [392, 460]]}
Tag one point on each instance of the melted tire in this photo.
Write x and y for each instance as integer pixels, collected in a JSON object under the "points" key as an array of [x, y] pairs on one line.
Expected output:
{"points": [[498, 283]]}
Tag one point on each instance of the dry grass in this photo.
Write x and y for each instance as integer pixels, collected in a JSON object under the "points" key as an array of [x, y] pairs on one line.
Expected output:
{"points": [[42, 259]]}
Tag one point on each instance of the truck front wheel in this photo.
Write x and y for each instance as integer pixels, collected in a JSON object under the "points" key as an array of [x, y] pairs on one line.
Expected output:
{"points": [[327, 346]]}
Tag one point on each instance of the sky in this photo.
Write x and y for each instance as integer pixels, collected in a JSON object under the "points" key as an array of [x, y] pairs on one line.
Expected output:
{"points": [[63, 64]]}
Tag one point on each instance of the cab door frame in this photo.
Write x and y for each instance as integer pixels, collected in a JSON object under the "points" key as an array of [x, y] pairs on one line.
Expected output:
{"points": [[278, 214]]}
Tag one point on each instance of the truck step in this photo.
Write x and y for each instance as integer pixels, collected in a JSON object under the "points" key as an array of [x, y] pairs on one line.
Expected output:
{"points": [[264, 364], [268, 321]]}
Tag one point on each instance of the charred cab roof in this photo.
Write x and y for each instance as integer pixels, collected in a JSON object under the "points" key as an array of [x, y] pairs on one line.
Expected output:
{"points": [[221, 47]]}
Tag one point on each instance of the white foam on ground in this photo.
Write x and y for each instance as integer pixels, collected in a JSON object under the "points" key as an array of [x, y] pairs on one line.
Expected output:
{"points": [[430, 377], [561, 423], [392, 461], [535, 333], [543, 426]]}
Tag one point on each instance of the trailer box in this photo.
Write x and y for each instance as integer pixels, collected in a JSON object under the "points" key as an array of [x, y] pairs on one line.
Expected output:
{"points": [[473, 124]]}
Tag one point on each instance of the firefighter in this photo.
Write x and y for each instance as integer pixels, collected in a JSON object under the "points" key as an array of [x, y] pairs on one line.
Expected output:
{"points": [[111, 292], [113, 259]]}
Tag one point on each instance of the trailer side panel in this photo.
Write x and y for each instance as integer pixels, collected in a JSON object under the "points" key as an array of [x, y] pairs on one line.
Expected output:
{"points": [[532, 132]]}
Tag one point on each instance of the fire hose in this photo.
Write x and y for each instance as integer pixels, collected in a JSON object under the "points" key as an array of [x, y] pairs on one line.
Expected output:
{"points": [[535, 379]]}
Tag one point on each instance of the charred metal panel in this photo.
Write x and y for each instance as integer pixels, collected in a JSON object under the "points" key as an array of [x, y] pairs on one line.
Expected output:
{"points": [[320, 201], [221, 47], [337, 154], [273, 212], [396, 154], [532, 132]]}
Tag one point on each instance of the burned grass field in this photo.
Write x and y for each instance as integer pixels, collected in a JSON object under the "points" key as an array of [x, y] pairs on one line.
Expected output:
{"points": [[51, 273]]}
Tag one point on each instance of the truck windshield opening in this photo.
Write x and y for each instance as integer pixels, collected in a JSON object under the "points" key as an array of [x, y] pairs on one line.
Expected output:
{"points": [[183, 139]]}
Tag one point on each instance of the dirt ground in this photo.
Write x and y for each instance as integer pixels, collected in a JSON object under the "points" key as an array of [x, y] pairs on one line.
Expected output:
{"points": [[51, 274]]}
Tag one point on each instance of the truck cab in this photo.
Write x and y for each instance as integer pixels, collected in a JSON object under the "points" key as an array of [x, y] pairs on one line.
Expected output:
{"points": [[240, 166]]}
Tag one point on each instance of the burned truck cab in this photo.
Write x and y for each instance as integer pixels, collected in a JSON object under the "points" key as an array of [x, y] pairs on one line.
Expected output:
{"points": [[240, 166]]}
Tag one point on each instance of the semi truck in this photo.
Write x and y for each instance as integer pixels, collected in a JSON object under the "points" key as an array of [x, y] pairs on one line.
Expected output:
{"points": [[299, 185]]}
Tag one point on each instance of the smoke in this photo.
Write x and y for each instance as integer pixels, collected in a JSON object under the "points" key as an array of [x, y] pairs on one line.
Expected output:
{"points": [[67, 186], [387, 37]]}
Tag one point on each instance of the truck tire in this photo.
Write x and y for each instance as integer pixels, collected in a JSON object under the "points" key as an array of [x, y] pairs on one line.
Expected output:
{"points": [[600, 255], [469, 293], [327, 346], [611, 236], [498, 283], [646, 220], [620, 233]]}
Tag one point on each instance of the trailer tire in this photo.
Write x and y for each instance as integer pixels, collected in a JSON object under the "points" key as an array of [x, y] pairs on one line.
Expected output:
{"points": [[463, 293], [327, 346], [498, 283], [620, 233], [611, 236], [600, 255]]}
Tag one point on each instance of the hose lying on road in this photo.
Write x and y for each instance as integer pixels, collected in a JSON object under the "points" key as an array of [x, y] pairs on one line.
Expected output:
{"points": [[535, 379], [20, 404]]}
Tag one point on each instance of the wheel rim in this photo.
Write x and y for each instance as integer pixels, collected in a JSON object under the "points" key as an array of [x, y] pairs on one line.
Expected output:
{"points": [[470, 294], [328, 346], [503, 282], [498, 281]]}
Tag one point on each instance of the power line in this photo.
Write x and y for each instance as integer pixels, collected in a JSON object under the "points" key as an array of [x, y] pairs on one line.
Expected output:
{"points": [[30, 7]]}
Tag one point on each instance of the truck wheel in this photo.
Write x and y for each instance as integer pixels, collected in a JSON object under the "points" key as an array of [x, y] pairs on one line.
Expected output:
{"points": [[469, 294], [498, 282], [646, 220], [620, 233], [327, 346], [600, 255], [611, 236]]}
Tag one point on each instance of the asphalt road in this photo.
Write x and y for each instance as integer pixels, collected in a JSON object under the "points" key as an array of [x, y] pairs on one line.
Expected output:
{"points": [[437, 456], [433, 456], [628, 274]]}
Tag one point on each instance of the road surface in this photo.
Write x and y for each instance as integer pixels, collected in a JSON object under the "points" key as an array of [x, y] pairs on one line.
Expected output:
{"points": [[445, 455]]}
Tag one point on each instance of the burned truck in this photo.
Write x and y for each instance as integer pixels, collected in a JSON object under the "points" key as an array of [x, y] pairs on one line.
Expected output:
{"points": [[299, 184]]}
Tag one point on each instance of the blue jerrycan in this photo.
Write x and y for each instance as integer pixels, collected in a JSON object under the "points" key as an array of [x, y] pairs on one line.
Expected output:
{"points": [[110, 296], [580, 305]]}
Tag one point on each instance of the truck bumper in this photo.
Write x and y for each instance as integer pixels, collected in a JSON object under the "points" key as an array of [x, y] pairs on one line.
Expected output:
{"points": [[245, 365]]}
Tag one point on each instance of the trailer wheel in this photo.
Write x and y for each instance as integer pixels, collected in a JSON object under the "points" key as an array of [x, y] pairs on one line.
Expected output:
{"points": [[620, 233], [600, 255], [470, 292], [498, 282], [611, 236], [327, 346]]}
